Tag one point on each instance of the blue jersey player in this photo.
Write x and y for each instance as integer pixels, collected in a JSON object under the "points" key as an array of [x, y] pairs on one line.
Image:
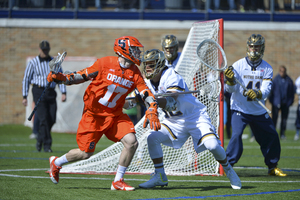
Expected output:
{"points": [[256, 74]]}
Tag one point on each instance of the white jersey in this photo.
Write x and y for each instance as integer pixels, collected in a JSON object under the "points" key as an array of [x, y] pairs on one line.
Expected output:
{"points": [[297, 83], [190, 117], [259, 78], [187, 104], [174, 63]]}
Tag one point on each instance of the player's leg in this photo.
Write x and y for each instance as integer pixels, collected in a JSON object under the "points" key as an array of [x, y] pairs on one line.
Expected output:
{"points": [[284, 117], [268, 139], [203, 134], [275, 111], [213, 145], [235, 147], [154, 141], [123, 130], [51, 118], [86, 140], [297, 123], [41, 112]]}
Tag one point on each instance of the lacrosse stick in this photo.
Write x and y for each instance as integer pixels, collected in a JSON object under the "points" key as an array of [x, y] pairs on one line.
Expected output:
{"points": [[54, 65], [206, 47], [211, 90]]}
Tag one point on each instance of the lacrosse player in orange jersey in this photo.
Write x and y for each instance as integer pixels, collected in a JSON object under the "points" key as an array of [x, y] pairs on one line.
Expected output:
{"points": [[112, 79]]}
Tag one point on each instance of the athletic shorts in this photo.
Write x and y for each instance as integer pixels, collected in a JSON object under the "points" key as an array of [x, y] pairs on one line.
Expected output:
{"points": [[91, 128]]}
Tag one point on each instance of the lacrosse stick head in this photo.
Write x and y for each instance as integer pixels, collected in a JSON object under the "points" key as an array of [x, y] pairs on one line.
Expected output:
{"points": [[207, 50], [211, 90], [55, 63]]}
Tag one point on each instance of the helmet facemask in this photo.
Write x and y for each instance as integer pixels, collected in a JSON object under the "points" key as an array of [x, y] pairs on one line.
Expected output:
{"points": [[136, 52], [257, 44], [155, 60], [170, 47]]}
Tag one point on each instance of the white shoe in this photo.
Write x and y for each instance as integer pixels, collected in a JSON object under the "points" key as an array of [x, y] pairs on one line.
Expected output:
{"points": [[233, 177], [252, 139], [296, 137], [158, 179], [32, 136]]}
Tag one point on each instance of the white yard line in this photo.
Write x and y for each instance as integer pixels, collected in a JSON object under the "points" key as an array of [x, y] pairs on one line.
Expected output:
{"points": [[97, 178]]}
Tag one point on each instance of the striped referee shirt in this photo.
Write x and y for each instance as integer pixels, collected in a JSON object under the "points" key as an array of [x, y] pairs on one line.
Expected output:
{"points": [[36, 73]]}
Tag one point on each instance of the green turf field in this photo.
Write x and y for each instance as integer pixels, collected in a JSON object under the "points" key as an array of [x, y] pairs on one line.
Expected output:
{"points": [[22, 174]]}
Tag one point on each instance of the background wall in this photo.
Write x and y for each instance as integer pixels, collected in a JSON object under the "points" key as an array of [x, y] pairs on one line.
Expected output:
{"points": [[21, 38]]}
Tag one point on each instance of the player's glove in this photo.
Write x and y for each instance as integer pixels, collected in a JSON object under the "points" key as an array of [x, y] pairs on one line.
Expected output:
{"points": [[253, 94], [229, 75], [58, 77], [152, 117]]}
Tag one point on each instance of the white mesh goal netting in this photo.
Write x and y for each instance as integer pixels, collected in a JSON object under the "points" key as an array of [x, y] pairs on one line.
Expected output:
{"points": [[183, 161]]}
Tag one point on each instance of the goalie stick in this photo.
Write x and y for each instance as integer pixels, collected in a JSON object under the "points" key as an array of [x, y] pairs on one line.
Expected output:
{"points": [[54, 65], [209, 45]]}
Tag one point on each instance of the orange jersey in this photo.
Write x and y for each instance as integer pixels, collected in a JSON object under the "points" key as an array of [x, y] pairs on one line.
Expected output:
{"points": [[105, 96]]}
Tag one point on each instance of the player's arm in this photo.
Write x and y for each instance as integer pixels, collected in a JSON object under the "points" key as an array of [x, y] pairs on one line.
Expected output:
{"points": [[230, 75], [151, 116], [77, 77]]}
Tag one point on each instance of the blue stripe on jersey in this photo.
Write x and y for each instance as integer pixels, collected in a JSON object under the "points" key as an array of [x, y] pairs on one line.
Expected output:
{"points": [[170, 131], [175, 88]]}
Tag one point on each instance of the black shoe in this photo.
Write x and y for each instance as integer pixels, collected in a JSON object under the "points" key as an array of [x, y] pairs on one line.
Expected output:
{"points": [[48, 151], [38, 146]]}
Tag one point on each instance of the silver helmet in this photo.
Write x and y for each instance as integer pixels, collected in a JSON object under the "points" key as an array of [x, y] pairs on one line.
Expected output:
{"points": [[255, 39], [158, 59]]}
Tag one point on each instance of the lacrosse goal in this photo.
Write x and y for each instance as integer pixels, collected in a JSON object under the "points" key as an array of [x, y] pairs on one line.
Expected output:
{"points": [[183, 161]]}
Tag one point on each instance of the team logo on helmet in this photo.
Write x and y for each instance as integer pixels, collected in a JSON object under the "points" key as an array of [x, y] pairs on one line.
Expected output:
{"points": [[167, 42], [158, 62], [255, 40], [129, 48]]}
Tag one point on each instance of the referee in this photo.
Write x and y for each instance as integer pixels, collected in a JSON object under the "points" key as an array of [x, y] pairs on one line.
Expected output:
{"points": [[36, 74]]}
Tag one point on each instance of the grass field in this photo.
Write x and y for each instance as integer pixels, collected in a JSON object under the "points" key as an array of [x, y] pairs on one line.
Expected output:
{"points": [[22, 174]]}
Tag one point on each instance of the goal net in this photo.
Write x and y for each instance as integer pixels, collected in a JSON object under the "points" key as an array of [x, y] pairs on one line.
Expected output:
{"points": [[184, 161]]}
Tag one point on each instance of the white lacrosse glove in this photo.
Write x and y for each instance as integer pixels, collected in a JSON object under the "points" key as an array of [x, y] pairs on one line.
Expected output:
{"points": [[171, 104]]}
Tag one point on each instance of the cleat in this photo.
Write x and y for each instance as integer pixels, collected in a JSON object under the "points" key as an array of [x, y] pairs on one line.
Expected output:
{"points": [[54, 170], [296, 137], [276, 172], [158, 179], [233, 177], [121, 185]]}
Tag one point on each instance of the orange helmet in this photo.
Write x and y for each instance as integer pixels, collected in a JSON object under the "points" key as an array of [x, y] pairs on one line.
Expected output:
{"points": [[129, 48]]}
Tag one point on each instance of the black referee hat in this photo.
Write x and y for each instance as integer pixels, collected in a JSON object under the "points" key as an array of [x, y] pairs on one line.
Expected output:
{"points": [[44, 44]]}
